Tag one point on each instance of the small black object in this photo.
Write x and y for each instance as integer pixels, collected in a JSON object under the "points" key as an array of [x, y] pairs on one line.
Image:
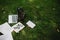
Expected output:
{"points": [[20, 14], [1, 33]]}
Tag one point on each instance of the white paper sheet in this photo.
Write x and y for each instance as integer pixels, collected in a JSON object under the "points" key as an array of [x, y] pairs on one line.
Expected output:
{"points": [[30, 24], [18, 27]]}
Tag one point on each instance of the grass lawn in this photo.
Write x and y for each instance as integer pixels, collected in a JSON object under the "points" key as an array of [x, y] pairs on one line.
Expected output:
{"points": [[44, 13]]}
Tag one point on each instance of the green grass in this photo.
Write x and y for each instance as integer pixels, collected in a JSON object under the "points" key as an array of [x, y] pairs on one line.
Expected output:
{"points": [[44, 13]]}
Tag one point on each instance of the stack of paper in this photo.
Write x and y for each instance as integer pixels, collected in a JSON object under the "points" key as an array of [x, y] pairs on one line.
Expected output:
{"points": [[12, 18]]}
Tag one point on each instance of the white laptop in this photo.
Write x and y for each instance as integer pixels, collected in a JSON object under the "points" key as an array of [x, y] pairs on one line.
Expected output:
{"points": [[5, 28], [6, 37]]}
